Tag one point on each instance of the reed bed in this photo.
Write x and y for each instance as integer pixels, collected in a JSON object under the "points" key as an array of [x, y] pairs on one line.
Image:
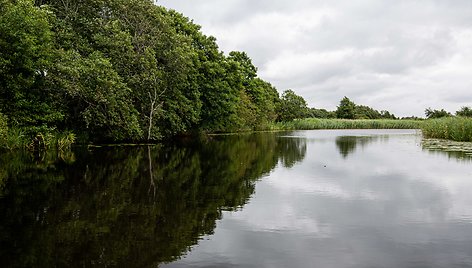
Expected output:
{"points": [[450, 128], [315, 123]]}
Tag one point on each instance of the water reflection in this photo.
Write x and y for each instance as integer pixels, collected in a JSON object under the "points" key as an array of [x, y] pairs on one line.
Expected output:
{"points": [[291, 150], [186, 204], [348, 144], [128, 207], [388, 205]]}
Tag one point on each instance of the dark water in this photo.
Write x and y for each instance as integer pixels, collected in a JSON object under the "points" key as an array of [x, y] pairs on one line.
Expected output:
{"points": [[366, 198]]}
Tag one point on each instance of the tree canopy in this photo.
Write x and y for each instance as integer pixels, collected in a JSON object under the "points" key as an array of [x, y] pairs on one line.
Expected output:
{"points": [[430, 113], [347, 109], [465, 111], [291, 106]]}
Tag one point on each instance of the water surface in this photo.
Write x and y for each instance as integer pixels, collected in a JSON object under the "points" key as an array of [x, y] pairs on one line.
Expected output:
{"points": [[347, 198]]}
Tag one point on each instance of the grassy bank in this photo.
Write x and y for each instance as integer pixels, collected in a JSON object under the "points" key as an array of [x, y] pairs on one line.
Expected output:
{"points": [[16, 139], [450, 128], [314, 123], [13, 138]]}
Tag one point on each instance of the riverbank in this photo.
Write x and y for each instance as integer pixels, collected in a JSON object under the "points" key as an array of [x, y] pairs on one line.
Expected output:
{"points": [[451, 128], [15, 138]]}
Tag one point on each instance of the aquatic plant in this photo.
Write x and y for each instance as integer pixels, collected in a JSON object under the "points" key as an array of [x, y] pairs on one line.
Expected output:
{"points": [[65, 140]]}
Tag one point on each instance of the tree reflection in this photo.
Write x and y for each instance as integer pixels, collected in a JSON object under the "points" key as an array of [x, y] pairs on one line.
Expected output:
{"points": [[348, 144], [128, 206]]}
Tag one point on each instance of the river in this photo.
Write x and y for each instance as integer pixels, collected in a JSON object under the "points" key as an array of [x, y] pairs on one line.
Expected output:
{"points": [[322, 198]]}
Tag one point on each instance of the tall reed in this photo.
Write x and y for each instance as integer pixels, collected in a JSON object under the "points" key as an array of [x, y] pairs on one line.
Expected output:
{"points": [[315, 123], [451, 128]]}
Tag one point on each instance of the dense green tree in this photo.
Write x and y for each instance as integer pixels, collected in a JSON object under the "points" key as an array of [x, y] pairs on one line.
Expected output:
{"points": [[246, 69], [25, 56], [321, 113], [291, 106], [98, 100], [349, 110], [266, 98], [387, 115], [465, 112], [346, 109], [430, 113], [366, 112], [258, 99]]}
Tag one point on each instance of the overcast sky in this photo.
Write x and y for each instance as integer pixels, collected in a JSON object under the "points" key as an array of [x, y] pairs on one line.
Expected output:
{"points": [[402, 56]]}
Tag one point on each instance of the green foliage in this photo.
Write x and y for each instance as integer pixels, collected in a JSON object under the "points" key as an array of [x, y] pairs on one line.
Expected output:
{"points": [[98, 100], [65, 140], [465, 112], [346, 109], [320, 113], [246, 69], [430, 113], [387, 115], [25, 56], [349, 110], [291, 106], [451, 128]]}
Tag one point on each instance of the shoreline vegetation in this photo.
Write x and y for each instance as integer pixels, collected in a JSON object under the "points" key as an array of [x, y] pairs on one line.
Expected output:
{"points": [[317, 123], [130, 71], [449, 128]]}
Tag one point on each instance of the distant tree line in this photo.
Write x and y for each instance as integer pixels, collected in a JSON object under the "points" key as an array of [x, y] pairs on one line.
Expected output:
{"points": [[295, 108]]}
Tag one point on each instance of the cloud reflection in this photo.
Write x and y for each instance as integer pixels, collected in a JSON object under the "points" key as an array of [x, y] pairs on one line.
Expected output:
{"points": [[388, 205]]}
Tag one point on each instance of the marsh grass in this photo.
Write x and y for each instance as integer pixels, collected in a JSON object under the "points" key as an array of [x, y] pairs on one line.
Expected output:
{"points": [[450, 128], [15, 138], [315, 123]]}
